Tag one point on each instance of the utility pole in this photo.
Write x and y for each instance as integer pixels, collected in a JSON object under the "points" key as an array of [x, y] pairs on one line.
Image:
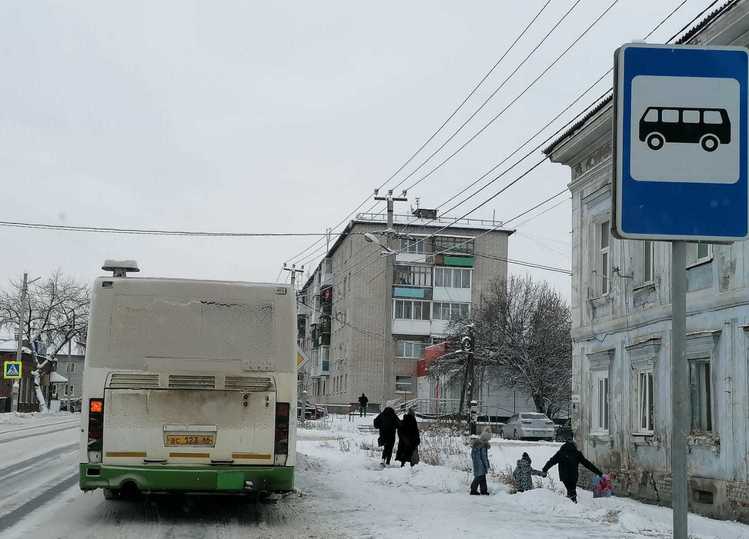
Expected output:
{"points": [[387, 328], [15, 389], [293, 270]]}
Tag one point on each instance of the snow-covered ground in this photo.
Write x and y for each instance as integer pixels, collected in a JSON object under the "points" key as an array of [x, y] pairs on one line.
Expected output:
{"points": [[343, 492]]}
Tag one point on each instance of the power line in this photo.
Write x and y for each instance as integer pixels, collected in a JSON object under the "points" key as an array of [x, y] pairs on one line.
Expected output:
{"points": [[515, 100], [155, 232], [452, 115], [497, 89], [524, 263], [659, 25]]}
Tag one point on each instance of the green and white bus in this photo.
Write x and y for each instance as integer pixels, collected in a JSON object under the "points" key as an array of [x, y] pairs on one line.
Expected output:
{"points": [[188, 386]]}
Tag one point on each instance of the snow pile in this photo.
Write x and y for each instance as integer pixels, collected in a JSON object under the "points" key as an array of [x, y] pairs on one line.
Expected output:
{"points": [[431, 499]]}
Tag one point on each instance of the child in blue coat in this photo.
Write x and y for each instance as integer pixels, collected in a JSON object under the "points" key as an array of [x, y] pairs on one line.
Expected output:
{"points": [[480, 459]]}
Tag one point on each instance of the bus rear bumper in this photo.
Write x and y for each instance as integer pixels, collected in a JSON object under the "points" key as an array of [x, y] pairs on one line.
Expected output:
{"points": [[161, 478]]}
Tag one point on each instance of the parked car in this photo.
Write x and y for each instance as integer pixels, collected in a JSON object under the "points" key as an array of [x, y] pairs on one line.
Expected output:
{"points": [[528, 425], [564, 432]]}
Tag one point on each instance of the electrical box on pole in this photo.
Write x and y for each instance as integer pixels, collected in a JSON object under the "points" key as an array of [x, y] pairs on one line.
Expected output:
{"points": [[680, 175]]}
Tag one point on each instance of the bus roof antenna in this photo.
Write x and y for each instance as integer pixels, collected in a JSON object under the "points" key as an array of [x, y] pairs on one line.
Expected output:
{"points": [[119, 268]]}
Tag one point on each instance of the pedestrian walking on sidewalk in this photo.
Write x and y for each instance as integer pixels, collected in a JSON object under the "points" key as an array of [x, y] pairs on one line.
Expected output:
{"points": [[480, 458], [408, 440], [387, 423], [569, 458], [363, 401]]}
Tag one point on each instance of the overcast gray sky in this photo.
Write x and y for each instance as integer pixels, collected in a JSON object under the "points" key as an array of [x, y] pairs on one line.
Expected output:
{"points": [[272, 116]]}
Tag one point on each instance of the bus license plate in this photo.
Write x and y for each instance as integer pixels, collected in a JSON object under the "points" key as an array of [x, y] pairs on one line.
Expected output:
{"points": [[175, 440]]}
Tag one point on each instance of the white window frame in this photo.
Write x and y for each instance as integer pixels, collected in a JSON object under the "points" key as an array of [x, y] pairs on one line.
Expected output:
{"points": [[466, 277], [453, 306], [645, 401], [648, 261], [603, 259], [409, 346], [413, 246], [425, 304], [693, 253], [600, 398], [399, 385]]}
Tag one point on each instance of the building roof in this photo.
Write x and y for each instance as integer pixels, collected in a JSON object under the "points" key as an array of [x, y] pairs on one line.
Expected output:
{"points": [[605, 102], [441, 222]]}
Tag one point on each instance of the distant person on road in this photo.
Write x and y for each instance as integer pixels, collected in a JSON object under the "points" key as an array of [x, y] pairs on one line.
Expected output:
{"points": [[408, 440], [523, 473], [569, 457], [480, 458], [387, 422], [363, 401]]}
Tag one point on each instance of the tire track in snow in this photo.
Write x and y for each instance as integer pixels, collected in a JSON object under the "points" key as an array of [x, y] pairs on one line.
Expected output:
{"points": [[3, 432], [42, 458], [52, 431], [12, 518]]}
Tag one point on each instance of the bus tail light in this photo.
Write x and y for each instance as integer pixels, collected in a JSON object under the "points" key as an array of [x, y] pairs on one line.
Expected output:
{"points": [[282, 433], [95, 429]]}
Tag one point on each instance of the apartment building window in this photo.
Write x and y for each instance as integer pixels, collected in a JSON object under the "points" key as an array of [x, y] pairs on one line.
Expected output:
{"points": [[413, 276], [412, 246], [411, 310], [451, 311], [698, 253], [453, 245], [452, 277], [700, 392], [600, 407], [410, 349], [648, 264], [603, 257], [646, 406], [404, 384]]}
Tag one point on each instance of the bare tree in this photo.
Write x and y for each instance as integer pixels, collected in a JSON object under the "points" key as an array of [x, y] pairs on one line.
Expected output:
{"points": [[523, 327], [56, 313], [522, 337]]}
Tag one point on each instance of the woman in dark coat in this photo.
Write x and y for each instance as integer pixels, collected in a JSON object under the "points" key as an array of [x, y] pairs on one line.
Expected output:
{"points": [[569, 458], [408, 439], [387, 422]]}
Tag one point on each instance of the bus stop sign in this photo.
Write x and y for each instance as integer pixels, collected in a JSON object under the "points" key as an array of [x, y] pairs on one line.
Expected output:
{"points": [[680, 143]]}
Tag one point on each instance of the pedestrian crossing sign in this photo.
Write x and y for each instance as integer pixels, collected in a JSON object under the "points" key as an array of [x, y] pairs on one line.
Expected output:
{"points": [[12, 370]]}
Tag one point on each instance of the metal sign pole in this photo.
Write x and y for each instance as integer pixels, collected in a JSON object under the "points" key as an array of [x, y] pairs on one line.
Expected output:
{"points": [[679, 390]]}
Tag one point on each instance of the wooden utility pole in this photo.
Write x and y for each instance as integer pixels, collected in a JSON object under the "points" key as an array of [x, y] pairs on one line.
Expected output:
{"points": [[293, 270], [388, 310]]}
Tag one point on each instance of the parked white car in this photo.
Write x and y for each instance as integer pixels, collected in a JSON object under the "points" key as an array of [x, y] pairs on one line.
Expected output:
{"points": [[528, 425]]}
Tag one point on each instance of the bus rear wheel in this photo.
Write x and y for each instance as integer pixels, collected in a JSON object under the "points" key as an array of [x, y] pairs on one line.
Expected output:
{"points": [[655, 141], [709, 143]]}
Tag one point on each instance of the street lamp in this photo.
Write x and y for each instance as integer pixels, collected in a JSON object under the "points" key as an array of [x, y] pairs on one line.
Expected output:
{"points": [[371, 238]]}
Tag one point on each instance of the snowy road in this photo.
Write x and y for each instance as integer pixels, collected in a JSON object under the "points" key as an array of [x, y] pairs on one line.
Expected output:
{"points": [[343, 493]]}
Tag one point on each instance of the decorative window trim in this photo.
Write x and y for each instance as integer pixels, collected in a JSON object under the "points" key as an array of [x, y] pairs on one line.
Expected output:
{"points": [[600, 365]]}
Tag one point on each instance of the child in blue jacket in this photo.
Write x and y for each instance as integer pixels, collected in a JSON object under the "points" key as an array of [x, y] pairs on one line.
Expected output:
{"points": [[480, 459]]}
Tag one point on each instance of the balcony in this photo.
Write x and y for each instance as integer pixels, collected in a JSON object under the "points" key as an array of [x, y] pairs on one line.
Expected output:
{"points": [[411, 327], [453, 295]]}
